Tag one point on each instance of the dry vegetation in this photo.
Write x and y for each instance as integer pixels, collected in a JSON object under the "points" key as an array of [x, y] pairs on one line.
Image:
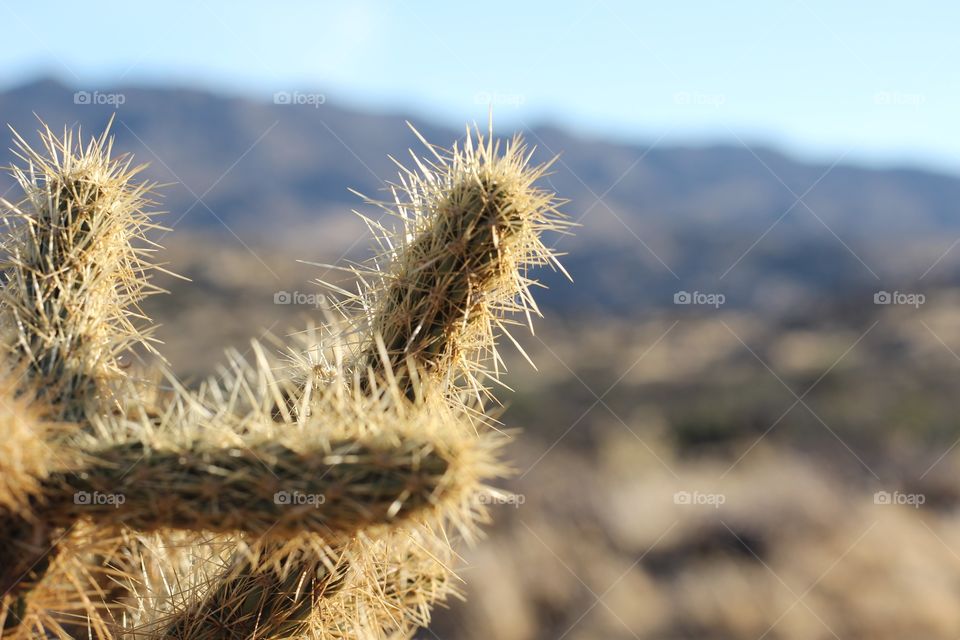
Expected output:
{"points": [[799, 518]]}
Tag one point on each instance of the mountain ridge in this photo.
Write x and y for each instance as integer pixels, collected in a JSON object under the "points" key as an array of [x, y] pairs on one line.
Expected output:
{"points": [[655, 219]]}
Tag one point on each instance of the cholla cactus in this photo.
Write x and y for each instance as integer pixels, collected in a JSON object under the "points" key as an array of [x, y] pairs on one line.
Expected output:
{"points": [[77, 247], [448, 279], [321, 502]]}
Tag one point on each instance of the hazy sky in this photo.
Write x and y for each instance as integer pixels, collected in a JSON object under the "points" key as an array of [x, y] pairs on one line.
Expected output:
{"points": [[879, 80]]}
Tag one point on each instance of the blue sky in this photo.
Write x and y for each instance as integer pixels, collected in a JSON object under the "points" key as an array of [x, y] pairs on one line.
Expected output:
{"points": [[878, 81]]}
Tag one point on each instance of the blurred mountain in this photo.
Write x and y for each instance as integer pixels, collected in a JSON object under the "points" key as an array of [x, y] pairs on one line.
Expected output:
{"points": [[769, 232]]}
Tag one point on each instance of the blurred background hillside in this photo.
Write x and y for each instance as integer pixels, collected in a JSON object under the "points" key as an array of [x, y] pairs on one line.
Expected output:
{"points": [[744, 423]]}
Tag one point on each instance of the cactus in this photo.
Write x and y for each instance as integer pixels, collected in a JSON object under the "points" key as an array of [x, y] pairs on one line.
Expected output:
{"points": [[323, 501], [78, 269]]}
